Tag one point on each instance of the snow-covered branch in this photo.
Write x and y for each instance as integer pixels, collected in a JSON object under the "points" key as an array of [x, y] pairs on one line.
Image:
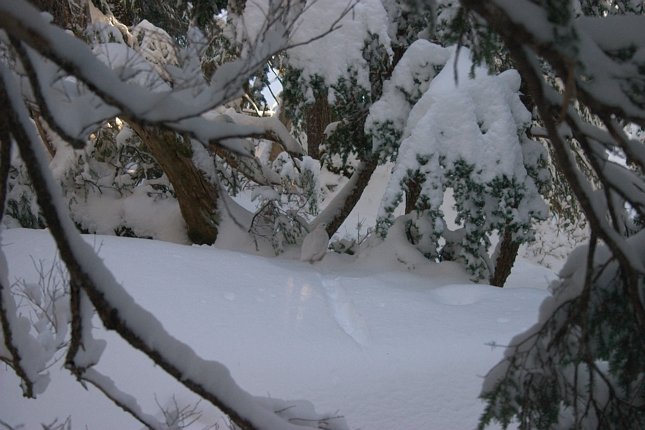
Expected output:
{"points": [[19, 349], [117, 310], [600, 51], [596, 207], [177, 110], [273, 130], [121, 399]]}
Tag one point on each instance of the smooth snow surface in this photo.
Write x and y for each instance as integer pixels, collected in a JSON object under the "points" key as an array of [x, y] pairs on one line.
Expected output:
{"points": [[384, 348]]}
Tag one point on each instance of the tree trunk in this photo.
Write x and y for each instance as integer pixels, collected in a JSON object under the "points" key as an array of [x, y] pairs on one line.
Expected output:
{"points": [[339, 208], [196, 196], [508, 249], [412, 193], [317, 117]]}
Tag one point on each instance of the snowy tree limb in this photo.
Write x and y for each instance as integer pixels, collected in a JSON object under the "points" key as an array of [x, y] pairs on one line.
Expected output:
{"points": [[81, 340], [117, 310], [527, 22], [173, 109], [167, 110], [36, 87], [114, 306], [595, 209], [275, 131], [568, 370], [249, 167], [18, 342], [123, 400]]}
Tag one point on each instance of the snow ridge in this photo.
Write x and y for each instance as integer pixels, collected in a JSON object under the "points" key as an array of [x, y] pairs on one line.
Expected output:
{"points": [[344, 311]]}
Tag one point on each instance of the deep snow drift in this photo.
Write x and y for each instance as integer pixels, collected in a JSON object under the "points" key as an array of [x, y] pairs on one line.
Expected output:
{"points": [[365, 339]]}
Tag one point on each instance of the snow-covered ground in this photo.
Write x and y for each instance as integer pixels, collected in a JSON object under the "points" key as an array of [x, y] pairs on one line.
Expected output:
{"points": [[385, 347]]}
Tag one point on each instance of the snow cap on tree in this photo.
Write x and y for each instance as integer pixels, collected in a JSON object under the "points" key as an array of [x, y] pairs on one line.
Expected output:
{"points": [[468, 134]]}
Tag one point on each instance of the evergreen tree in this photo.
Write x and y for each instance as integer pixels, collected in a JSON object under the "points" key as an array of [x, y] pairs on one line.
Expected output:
{"points": [[581, 365]]}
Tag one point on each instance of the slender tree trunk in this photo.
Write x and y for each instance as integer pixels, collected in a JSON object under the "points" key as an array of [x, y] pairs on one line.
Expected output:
{"points": [[508, 249], [196, 196], [339, 209]]}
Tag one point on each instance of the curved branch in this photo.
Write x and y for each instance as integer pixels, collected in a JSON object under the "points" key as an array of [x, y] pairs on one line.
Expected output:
{"points": [[41, 100], [116, 309], [168, 110], [7, 305], [523, 20], [81, 339]]}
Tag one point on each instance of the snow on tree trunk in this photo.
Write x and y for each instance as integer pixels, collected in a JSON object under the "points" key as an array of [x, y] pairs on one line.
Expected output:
{"points": [[342, 205], [197, 196], [503, 263]]}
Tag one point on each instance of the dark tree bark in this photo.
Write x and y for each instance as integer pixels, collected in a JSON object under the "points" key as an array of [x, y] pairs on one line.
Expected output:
{"points": [[412, 193], [508, 249], [317, 117], [196, 196]]}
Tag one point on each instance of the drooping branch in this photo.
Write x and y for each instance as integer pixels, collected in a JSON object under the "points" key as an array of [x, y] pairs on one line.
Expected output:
{"points": [[273, 129], [123, 400], [595, 209], [613, 177], [169, 110], [81, 341], [36, 86], [116, 309], [23, 21], [15, 357], [249, 167], [607, 90], [8, 311]]}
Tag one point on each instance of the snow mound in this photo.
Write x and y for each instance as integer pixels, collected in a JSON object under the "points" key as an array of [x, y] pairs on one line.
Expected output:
{"points": [[382, 349]]}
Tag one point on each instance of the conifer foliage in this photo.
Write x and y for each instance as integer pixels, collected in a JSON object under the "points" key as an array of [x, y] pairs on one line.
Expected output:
{"points": [[581, 365]]}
